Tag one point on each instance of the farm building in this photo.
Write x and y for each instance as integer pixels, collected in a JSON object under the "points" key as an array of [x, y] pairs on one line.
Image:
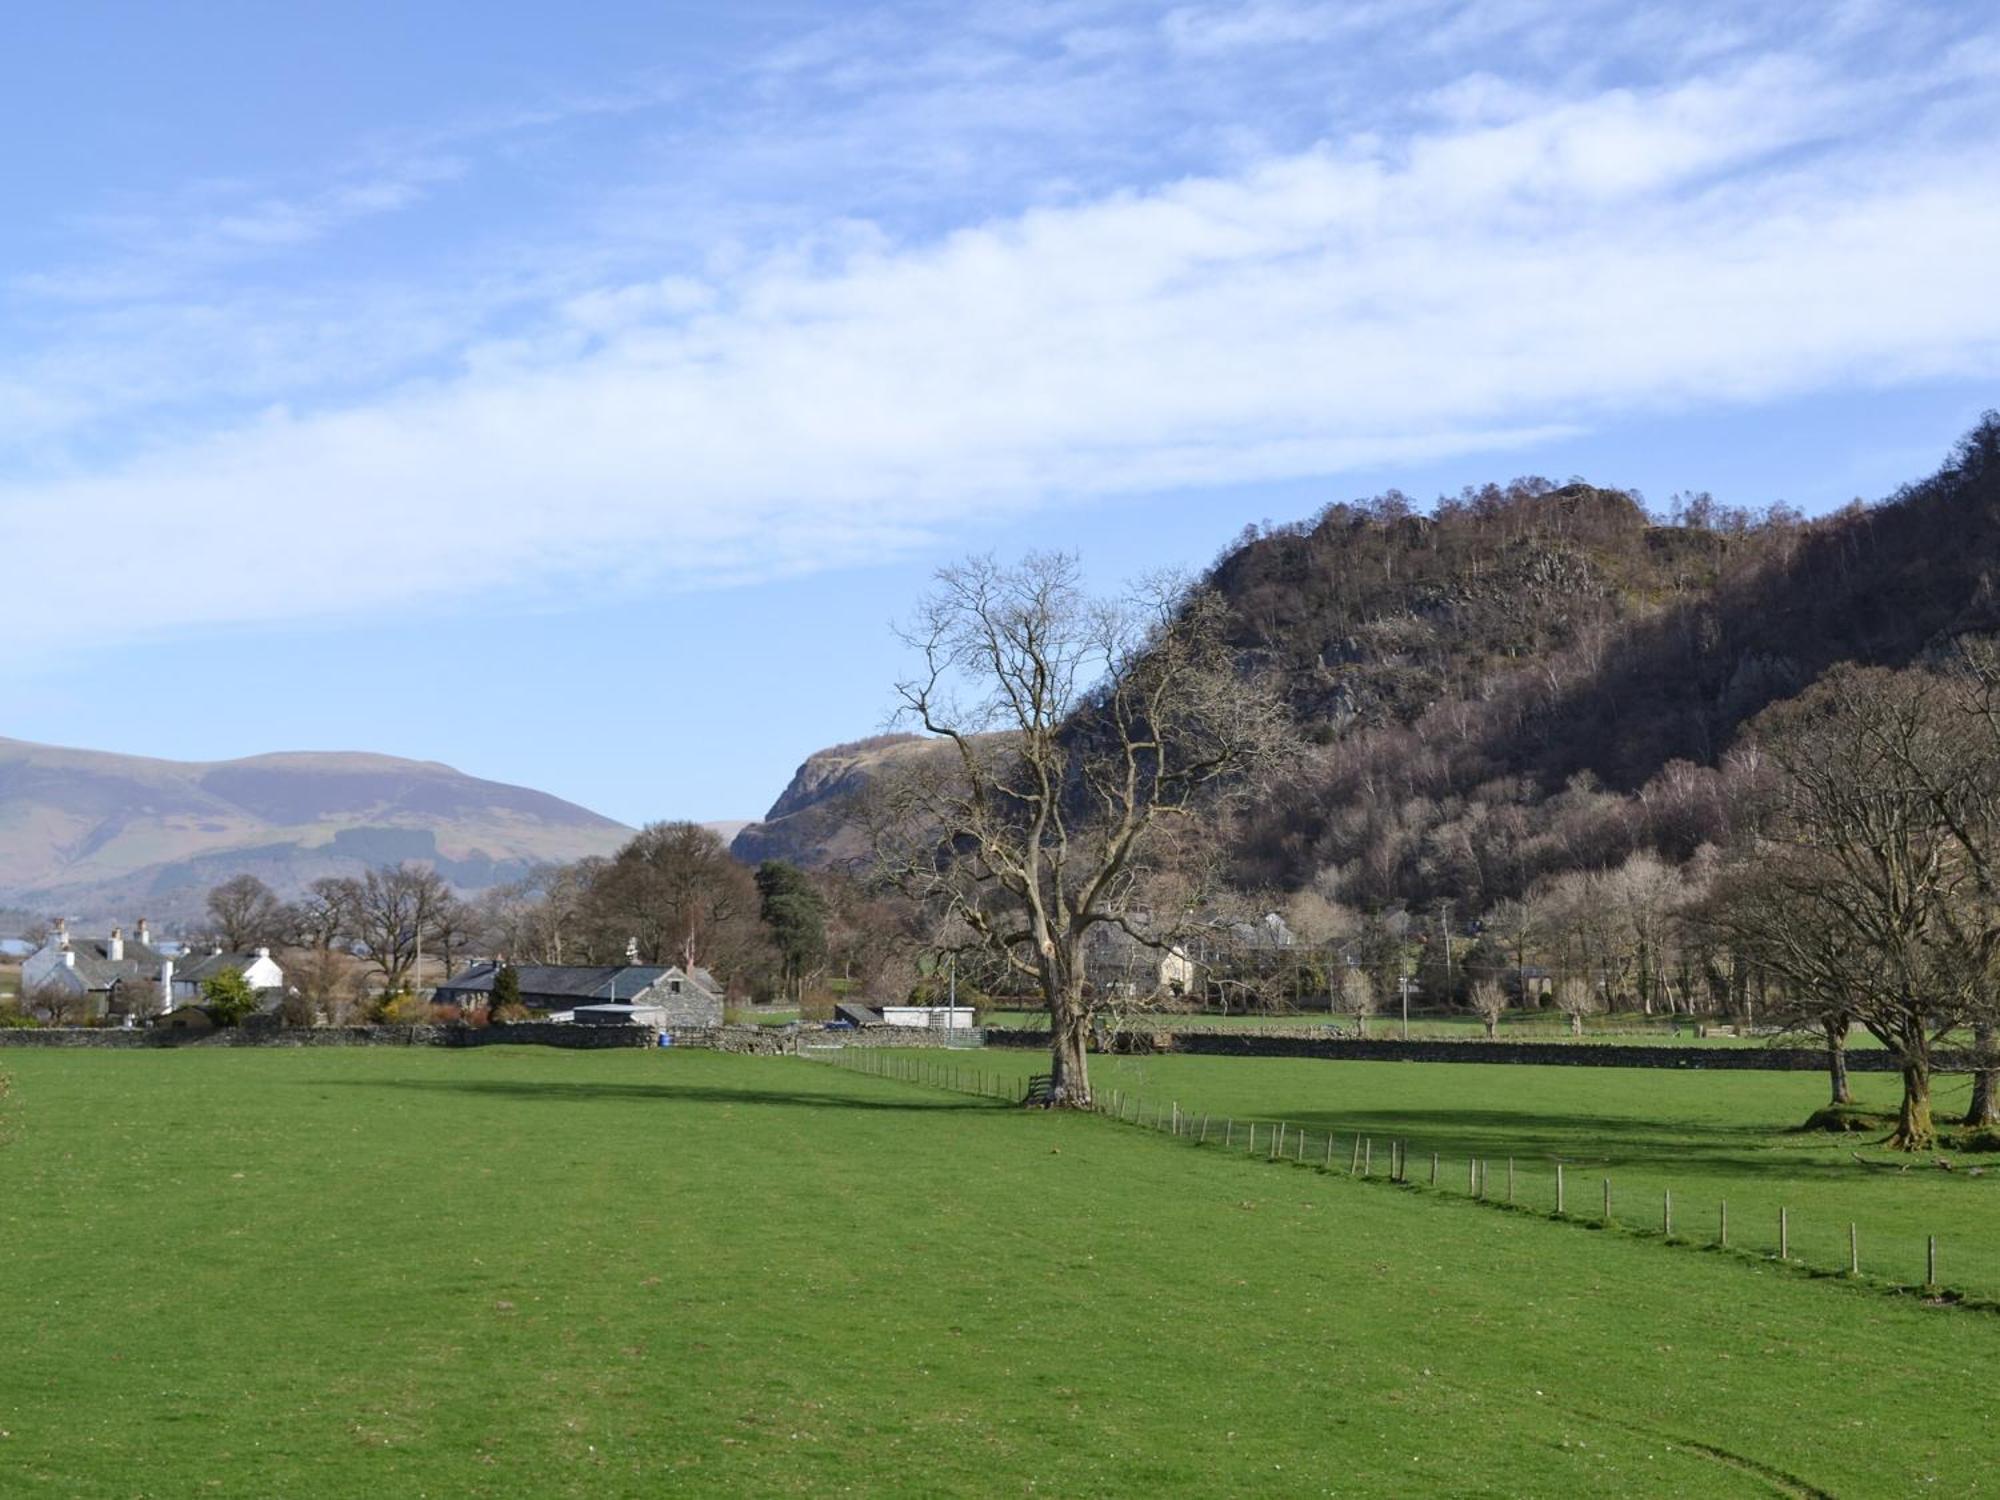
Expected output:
{"points": [[684, 997]]}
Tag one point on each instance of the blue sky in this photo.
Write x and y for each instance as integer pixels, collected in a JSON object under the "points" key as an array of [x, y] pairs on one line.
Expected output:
{"points": [[575, 395]]}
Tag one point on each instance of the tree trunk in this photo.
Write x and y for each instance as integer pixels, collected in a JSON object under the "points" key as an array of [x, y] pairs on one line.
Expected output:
{"points": [[1492, 1028], [1914, 1131], [1836, 1061], [1985, 1106], [1575, 1024], [1069, 1072]]}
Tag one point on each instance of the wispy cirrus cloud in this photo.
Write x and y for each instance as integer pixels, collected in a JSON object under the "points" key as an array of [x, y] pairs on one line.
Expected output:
{"points": [[683, 383]]}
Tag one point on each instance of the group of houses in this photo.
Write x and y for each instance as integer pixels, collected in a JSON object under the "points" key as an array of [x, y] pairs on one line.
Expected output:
{"points": [[117, 977]]}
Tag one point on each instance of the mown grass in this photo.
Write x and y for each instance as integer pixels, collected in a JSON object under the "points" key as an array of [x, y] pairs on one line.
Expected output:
{"points": [[518, 1271], [1706, 1137]]}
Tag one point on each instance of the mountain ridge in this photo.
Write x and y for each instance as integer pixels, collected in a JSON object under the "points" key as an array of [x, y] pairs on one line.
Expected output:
{"points": [[95, 832]]}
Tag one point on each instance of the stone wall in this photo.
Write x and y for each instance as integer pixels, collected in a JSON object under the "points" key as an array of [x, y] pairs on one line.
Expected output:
{"points": [[1544, 1054], [757, 1040], [113, 1037]]}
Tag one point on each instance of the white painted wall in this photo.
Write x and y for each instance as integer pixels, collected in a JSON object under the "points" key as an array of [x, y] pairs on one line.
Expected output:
{"points": [[959, 1019]]}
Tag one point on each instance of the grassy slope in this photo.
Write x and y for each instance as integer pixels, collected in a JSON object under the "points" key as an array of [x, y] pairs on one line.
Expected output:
{"points": [[1705, 1136], [506, 1272]]}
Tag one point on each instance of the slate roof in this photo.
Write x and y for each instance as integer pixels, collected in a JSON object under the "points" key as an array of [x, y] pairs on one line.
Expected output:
{"points": [[100, 948], [208, 965], [102, 973], [574, 984]]}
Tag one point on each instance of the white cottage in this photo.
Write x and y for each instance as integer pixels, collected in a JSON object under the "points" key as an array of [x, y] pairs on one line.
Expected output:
{"points": [[93, 966]]}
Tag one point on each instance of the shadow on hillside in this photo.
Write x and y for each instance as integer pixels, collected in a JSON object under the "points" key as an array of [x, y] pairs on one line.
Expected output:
{"points": [[655, 1093]]}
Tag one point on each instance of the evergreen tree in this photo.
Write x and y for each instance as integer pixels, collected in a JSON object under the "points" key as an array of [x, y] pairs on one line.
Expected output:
{"points": [[228, 997], [506, 991], [795, 912]]}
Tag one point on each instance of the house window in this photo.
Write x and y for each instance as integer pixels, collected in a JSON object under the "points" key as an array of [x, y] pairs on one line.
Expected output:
{"points": [[673, 986]]}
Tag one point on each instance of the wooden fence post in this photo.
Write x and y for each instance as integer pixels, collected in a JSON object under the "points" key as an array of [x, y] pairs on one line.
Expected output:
{"points": [[1510, 1182], [1434, 1169], [1327, 1165], [1930, 1262], [1853, 1251], [1202, 1139], [1354, 1162], [1784, 1233], [1559, 1189], [1607, 1200], [1302, 1146], [1368, 1157], [1228, 1131], [1722, 1225], [1667, 1213]]}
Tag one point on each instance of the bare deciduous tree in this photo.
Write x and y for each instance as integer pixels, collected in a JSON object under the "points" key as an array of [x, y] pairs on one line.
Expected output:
{"points": [[246, 914], [1825, 967], [1356, 997], [1083, 735], [323, 915], [1489, 1003], [675, 888], [1875, 769], [1577, 998], [393, 913]]}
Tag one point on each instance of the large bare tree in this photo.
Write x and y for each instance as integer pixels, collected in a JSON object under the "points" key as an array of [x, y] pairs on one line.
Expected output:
{"points": [[1085, 739], [246, 914], [1879, 898], [394, 913]]}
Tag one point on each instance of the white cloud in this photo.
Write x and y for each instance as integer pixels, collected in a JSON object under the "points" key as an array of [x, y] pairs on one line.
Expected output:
{"points": [[653, 400], [1466, 288]]}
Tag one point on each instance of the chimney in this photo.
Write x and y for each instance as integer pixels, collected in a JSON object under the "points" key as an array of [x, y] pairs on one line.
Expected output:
{"points": [[69, 956], [116, 951], [166, 985], [214, 947], [264, 953], [62, 932], [144, 934]]}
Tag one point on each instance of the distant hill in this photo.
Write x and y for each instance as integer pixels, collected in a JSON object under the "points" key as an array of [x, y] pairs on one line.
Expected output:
{"points": [[1532, 678], [811, 823], [90, 834]]}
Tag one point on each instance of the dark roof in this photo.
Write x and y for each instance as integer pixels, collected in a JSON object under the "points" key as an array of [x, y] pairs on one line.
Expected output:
{"points": [[102, 973], [208, 965], [568, 982], [100, 948]]}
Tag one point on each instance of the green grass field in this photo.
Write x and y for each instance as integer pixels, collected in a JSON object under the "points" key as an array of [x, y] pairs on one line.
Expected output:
{"points": [[521, 1271], [1706, 1137]]}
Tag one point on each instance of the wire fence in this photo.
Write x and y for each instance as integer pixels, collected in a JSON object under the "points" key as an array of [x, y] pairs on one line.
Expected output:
{"points": [[1554, 1188]]}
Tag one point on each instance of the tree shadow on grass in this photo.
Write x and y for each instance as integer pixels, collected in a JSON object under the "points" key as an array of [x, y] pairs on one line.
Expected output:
{"points": [[1744, 1151], [655, 1093]]}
